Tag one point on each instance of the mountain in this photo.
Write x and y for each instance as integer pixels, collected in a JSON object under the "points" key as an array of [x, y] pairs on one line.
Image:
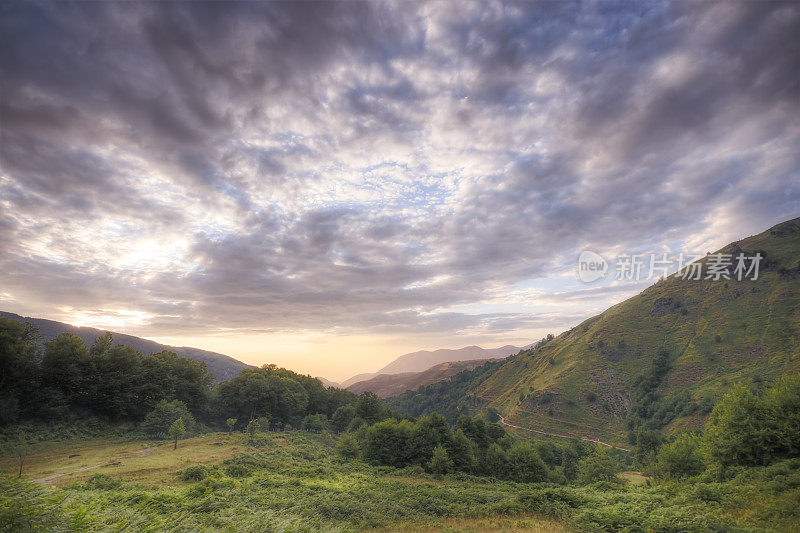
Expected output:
{"points": [[659, 360], [424, 359], [328, 383], [357, 378], [384, 385], [222, 366]]}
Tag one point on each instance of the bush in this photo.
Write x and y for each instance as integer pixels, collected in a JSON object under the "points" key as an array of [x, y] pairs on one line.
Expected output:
{"points": [[238, 470], [194, 473], [680, 458], [347, 446], [599, 466], [102, 482], [315, 423]]}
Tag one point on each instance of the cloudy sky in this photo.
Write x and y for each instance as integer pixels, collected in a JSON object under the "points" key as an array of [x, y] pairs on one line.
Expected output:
{"points": [[327, 186]]}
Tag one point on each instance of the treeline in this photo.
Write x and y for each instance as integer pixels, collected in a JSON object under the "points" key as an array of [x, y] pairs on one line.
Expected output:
{"points": [[118, 383], [476, 447], [450, 398]]}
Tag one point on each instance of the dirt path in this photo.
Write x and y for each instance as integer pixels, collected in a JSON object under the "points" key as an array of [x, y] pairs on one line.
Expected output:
{"points": [[53, 477], [586, 439]]}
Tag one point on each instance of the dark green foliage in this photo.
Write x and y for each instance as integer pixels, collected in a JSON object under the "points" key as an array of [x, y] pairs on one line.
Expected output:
{"points": [[157, 423], [680, 458], [440, 462], [113, 381], [315, 423], [282, 395], [756, 429], [194, 473], [648, 442], [524, 463], [19, 370], [342, 417], [347, 446], [370, 409], [650, 410], [600, 466]]}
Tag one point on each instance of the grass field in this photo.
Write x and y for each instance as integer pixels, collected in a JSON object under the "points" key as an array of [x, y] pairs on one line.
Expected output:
{"points": [[296, 482]]}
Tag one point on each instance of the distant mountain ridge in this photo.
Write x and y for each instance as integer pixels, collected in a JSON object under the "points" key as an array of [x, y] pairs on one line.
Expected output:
{"points": [[385, 385], [424, 360], [222, 366]]}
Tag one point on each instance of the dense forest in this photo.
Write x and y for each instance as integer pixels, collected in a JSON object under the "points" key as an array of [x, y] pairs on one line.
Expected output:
{"points": [[119, 384]]}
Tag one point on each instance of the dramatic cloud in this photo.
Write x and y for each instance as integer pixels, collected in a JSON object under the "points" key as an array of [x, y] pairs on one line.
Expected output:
{"points": [[418, 169]]}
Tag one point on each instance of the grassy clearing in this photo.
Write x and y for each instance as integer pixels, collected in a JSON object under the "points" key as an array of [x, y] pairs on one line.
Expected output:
{"points": [[147, 462]]}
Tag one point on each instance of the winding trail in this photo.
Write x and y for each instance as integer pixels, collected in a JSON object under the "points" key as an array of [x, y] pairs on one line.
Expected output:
{"points": [[586, 439]]}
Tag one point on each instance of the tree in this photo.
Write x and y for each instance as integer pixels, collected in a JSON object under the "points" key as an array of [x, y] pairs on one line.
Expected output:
{"points": [[315, 423], [525, 464], [342, 417], [749, 429], [461, 451], [230, 423], [390, 443], [496, 462], [599, 466], [176, 431], [347, 446], [65, 367], [157, 423], [17, 446], [19, 369], [648, 442], [369, 408], [440, 462], [252, 428], [679, 458]]}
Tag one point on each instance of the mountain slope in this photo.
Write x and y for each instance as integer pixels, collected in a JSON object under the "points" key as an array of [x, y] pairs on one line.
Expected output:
{"points": [[384, 385], [222, 366], [660, 359]]}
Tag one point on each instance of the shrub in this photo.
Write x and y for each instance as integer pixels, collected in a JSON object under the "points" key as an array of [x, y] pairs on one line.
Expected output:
{"points": [[315, 423], [347, 446], [102, 482], [238, 470], [599, 466], [194, 473], [680, 458]]}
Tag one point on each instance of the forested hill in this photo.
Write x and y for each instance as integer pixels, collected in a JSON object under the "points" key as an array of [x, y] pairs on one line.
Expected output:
{"points": [[222, 366], [657, 361]]}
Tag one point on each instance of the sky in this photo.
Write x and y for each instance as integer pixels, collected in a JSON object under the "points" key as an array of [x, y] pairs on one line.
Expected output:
{"points": [[326, 186]]}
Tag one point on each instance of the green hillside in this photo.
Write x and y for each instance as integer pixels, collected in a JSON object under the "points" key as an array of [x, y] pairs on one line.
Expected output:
{"points": [[661, 359]]}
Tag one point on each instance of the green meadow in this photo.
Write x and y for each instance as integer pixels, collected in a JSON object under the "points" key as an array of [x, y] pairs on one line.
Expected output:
{"points": [[297, 481]]}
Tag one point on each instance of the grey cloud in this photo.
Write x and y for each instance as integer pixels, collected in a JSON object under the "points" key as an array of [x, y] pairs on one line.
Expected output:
{"points": [[268, 137]]}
